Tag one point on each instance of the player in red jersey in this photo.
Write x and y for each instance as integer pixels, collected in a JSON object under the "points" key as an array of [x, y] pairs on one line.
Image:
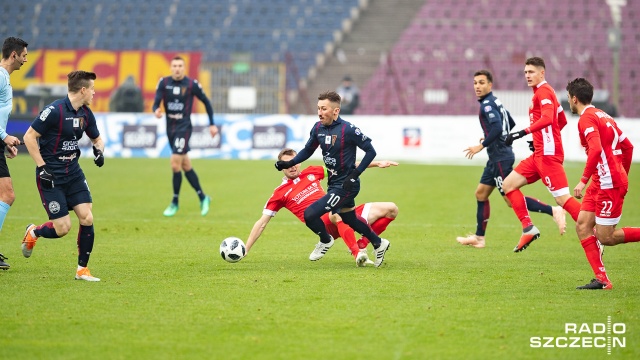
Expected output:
{"points": [[546, 119], [301, 189], [609, 154]]}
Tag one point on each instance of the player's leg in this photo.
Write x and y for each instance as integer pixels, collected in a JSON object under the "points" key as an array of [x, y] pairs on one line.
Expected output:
{"points": [[7, 197], [85, 240], [555, 179], [313, 220], [483, 213], [55, 204], [379, 215], [584, 229], [525, 173], [192, 177], [79, 199], [337, 228], [176, 182]]}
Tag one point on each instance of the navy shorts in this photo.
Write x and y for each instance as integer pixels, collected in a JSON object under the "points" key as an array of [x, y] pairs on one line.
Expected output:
{"points": [[337, 198], [66, 194], [179, 142], [495, 173]]}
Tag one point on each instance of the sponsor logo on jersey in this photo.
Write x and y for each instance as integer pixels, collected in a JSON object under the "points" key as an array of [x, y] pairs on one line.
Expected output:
{"points": [[487, 108], [329, 161], [45, 113]]}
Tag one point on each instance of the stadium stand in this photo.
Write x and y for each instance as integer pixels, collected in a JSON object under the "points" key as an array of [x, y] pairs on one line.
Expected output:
{"points": [[447, 41]]}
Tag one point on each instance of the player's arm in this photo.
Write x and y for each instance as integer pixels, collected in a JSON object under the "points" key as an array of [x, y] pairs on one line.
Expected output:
{"points": [[199, 93], [31, 142], [257, 230], [594, 146], [627, 152], [547, 113], [306, 152], [156, 101], [562, 118]]}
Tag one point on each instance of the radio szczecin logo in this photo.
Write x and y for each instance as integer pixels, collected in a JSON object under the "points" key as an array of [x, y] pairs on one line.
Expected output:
{"points": [[585, 335]]}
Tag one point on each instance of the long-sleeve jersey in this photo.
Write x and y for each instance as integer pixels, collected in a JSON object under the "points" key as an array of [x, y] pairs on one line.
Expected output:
{"points": [[177, 96], [60, 127], [6, 101], [339, 142], [496, 123], [602, 139], [546, 119]]}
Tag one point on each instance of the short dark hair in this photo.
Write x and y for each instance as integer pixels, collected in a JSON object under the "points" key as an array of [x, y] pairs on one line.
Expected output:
{"points": [[535, 61], [177, 57], [286, 151], [486, 73], [331, 96], [12, 44], [79, 79], [581, 89]]}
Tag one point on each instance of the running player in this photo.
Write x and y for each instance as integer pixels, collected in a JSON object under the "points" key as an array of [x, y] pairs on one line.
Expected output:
{"points": [[609, 154], [177, 92], [52, 141], [546, 119]]}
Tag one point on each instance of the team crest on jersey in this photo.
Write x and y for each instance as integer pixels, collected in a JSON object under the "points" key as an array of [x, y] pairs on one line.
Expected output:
{"points": [[487, 108], [54, 207], [311, 177], [330, 140], [358, 132]]}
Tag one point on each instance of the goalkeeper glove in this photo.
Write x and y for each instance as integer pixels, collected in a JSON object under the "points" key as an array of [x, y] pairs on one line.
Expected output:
{"points": [[281, 165], [99, 157], [45, 176], [514, 136], [350, 181]]}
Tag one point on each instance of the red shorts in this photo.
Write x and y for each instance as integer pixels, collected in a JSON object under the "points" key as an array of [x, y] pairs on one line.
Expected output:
{"points": [[605, 203], [332, 229], [547, 168]]}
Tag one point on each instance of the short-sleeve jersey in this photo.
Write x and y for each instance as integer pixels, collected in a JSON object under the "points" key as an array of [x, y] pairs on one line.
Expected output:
{"points": [[598, 130], [339, 142], [61, 127], [178, 96], [493, 114], [296, 195], [6, 101], [544, 105]]}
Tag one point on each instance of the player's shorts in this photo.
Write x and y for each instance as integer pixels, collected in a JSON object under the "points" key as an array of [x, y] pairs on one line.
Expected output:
{"points": [[547, 168], [332, 229], [605, 203], [179, 142], [495, 172], [66, 194], [4, 169]]}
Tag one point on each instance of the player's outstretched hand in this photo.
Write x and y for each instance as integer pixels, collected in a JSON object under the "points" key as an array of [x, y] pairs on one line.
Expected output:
{"points": [[281, 165], [350, 181], [99, 157], [514, 136], [46, 177], [386, 163]]}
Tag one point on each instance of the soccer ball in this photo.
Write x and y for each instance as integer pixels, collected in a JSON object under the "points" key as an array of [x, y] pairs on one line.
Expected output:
{"points": [[232, 249]]}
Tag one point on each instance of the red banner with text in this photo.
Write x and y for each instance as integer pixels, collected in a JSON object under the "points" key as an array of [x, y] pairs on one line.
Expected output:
{"points": [[111, 67]]}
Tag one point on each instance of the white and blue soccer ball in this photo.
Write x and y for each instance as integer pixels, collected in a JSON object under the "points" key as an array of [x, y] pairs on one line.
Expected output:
{"points": [[232, 249]]}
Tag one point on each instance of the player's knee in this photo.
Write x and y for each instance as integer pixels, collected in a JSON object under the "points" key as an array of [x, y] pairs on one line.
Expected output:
{"points": [[86, 220], [606, 238], [62, 228], [393, 211], [8, 197], [310, 214], [583, 229]]}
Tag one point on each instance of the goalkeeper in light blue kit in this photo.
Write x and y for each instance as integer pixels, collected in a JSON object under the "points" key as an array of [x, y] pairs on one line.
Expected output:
{"points": [[14, 55]]}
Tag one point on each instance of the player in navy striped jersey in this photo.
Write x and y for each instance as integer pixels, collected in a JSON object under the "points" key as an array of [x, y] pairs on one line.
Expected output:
{"points": [[52, 141], [177, 92], [496, 123], [339, 141]]}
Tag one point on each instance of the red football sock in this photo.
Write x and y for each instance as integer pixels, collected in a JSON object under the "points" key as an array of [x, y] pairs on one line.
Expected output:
{"points": [[378, 227], [519, 206], [593, 256], [573, 208], [348, 236], [631, 234]]}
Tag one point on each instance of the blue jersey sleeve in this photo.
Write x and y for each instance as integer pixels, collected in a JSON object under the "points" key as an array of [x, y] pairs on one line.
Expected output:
{"points": [[494, 119], [363, 142], [159, 95], [92, 127]]}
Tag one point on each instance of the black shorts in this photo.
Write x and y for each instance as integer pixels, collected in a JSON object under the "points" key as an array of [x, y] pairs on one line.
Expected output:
{"points": [[66, 194], [495, 173], [179, 142], [337, 198], [4, 169]]}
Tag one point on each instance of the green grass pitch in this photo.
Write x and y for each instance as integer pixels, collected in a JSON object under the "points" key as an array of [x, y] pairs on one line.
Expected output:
{"points": [[166, 293]]}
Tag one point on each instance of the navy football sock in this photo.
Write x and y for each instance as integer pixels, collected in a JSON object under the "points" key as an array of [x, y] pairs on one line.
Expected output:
{"points": [[177, 181], [536, 205], [482, 217], [195, 183], [85, 244], [358, 224]]}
